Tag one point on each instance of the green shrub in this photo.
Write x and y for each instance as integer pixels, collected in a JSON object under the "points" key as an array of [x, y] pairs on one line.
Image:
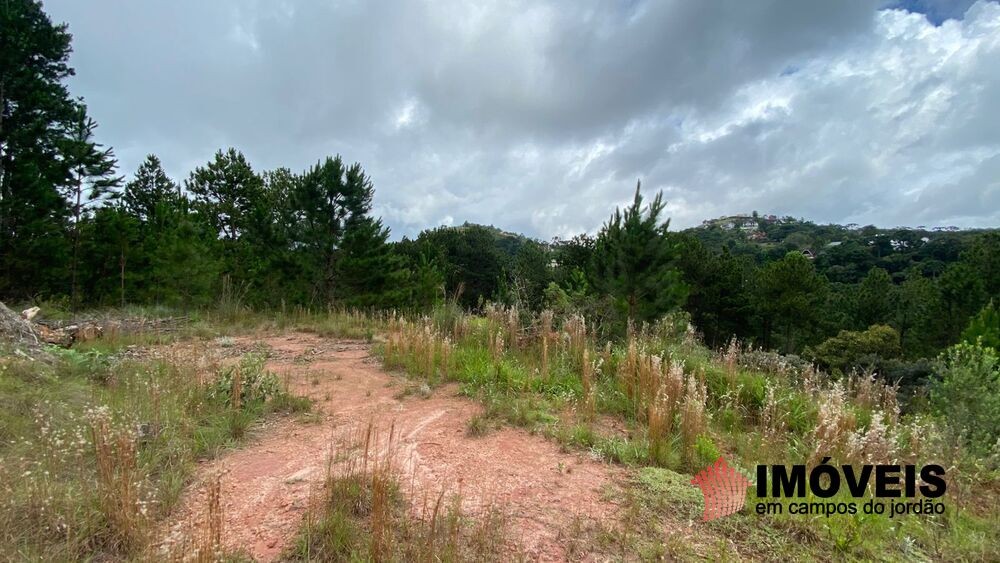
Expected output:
{"points": [[984, 328], [857, 349], [967, 393], [705, 452], [257, 385]]}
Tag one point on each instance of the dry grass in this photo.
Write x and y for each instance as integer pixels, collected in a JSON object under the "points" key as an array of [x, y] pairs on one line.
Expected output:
{"points": [[693, 416], [587, 380], [120, 484], [364, 515], [835, 424], [773, 417]]}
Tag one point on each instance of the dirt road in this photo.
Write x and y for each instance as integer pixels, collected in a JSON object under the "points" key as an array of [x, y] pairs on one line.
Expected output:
{"points": [[266, 484]]}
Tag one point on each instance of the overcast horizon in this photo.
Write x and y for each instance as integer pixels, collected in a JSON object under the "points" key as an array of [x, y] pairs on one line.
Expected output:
{"points": [[539, 117]]}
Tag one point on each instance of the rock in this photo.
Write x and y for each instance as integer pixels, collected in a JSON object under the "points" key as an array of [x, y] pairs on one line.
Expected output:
{"points": [[299, 476]]}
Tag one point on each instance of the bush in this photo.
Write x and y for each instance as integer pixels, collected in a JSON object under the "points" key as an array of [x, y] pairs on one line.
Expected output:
{"points": [[984, 328], [705, 452], [967, 392], [857, 350], [256, 385]]}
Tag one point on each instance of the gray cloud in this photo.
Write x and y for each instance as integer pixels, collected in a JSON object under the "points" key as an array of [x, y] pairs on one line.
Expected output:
{"points": [[539, 117]]}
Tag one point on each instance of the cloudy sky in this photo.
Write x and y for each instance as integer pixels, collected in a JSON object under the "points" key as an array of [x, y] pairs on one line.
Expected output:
{"points": [[539, 116]]}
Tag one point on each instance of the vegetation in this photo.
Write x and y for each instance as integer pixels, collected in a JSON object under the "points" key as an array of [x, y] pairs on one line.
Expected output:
{"points": [[99, 445], [659, 399], [363, 516]]}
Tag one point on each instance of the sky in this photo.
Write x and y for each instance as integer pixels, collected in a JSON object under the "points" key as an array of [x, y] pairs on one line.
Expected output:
{"points": [[540, 116]]}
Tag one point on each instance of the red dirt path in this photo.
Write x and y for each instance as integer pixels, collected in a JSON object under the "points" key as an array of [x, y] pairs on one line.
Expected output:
{"points": [[266, 484]]}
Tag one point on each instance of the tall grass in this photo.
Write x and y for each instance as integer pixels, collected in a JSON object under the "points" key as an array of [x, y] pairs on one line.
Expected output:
{"points": [[682, 405], [96, 447]]}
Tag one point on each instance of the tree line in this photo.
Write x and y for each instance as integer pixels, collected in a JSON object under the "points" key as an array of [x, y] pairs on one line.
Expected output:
{"points": [[73, 228]]}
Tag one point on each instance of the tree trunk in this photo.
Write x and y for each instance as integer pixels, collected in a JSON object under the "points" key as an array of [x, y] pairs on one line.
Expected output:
{"points": [[121, 263], [74, 295]]}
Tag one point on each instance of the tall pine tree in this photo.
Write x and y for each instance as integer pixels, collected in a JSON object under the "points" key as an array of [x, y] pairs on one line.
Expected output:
{"points": [[635, 261], [329, 196], [92, 178], [787, 297], [229, 197], [171, 262], [37, 116]]}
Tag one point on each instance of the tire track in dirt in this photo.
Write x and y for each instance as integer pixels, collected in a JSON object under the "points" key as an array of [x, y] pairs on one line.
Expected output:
{"points": [[267, 484]]}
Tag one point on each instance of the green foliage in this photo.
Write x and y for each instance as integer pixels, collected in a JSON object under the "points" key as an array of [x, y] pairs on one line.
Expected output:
{"points": [[635, 261], [967, 393], [49, 159], [256, 386], [227, 191], [530, 275], [874, 298], [787, 297], [705, 452], [472, 259], [962, 295], [857, 349], [719, 290], [984, 328], [915, 302], [426, 284], [369, 273], [328, 197]]}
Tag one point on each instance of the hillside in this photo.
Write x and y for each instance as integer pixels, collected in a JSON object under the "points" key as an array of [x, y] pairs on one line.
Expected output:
{"points": [[844, 253]]}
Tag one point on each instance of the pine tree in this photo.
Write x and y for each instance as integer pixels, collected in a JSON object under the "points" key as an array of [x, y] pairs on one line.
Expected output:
{"points": [[788, 295], [273, 241], [635, 261], [719, 300], [874, 299], [984, 328], [36, 112], [914, 305], [426, 283], [328, 197], [92, 178], [229, 197], [109, 239], [368, 272], [227, 190], [151, 194], [171, 261], [963, 293]]}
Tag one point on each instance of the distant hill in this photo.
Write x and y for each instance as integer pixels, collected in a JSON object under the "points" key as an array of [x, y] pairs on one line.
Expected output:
{"points": [[845, 253]]}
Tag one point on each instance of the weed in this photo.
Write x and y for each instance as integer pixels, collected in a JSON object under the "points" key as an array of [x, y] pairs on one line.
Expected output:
{"points": [[479, 425], [363, 515]]}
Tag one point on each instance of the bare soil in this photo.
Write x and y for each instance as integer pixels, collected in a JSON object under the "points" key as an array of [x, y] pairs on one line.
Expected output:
{"points": [[267, 485]]}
